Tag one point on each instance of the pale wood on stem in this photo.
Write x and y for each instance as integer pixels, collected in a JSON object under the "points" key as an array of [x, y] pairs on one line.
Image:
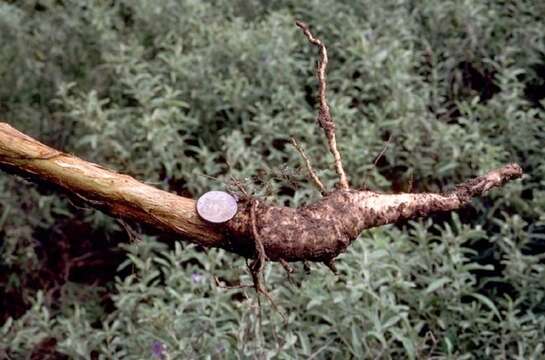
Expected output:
{"points": [[116, 194]]}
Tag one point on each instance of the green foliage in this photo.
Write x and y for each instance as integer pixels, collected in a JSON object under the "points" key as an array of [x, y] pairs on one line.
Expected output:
{"points": [[177, 92]]}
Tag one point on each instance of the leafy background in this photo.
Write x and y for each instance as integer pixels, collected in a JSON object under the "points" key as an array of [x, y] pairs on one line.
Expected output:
{"points": [[187, 94]]}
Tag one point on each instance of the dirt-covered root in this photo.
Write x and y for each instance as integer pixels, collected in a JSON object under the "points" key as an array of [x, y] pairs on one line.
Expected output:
{"points": [[324, 229]]}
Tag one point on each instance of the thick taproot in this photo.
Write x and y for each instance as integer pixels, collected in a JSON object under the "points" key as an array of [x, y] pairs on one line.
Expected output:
{"points": [[324, 229]]}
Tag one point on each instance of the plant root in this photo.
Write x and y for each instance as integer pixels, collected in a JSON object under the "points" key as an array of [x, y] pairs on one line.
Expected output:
{"points": [[321, 231], [310, 170], [289, 270], [258, 264], [286, 266], [331, 265], [306, 267], [324, 114]]}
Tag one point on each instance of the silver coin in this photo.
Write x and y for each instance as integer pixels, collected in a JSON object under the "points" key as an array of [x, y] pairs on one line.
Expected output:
{"points": [[216, 206]]}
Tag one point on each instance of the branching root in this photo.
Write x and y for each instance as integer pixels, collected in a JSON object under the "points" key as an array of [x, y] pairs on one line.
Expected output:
{"points": [[321, 231], [310, 170], [324, 114], [258, 263]]}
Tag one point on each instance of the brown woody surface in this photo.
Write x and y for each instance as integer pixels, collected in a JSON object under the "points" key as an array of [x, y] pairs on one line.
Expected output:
{"points": [[316, 232], [118, 195]]}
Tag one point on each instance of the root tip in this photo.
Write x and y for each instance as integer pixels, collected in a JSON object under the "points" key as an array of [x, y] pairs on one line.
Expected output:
{"points": [[331, 265]]}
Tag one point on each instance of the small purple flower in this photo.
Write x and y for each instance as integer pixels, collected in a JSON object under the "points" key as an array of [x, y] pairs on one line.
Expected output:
{"points": [[158, 350], [197, 278]]}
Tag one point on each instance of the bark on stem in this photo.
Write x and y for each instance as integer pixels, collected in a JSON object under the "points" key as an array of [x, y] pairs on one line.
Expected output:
{"points": [[116, 194], [317, 232]]}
